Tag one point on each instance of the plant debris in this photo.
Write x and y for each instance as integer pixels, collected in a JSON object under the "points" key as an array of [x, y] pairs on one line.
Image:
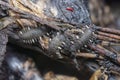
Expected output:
{"points": [[63, 32]]}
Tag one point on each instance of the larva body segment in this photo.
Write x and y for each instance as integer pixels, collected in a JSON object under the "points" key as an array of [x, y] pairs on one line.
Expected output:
{"points": [[30, 35], [66, 43], [57, 44]]}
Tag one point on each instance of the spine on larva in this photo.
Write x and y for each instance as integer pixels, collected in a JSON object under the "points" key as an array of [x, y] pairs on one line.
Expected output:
{"points": [[57, 44], [30, 35], [67, 43]]}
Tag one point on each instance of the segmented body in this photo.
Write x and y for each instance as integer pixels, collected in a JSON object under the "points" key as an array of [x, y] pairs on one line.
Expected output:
{"points": [[64, 43], [30, 35], [59, 44], [68, 43]]}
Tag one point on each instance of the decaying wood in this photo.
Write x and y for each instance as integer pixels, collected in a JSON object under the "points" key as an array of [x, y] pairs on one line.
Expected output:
{"points": [[65, 40], [104, 52], [99, 75], [27, 15], [3, 42]]}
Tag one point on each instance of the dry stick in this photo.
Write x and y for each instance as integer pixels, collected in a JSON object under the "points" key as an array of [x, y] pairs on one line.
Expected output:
{"points": [[27, 15], [104, 52], [106, 38], [107, 43], [112, 68], [89, 55], [25, 4], [109, 35], [109, 30]]}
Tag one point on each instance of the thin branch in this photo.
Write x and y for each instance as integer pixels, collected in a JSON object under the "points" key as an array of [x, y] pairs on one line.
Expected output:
{"points": [[104, 52], [23, 14], [109, 35], [88, 55], [109, 30]]}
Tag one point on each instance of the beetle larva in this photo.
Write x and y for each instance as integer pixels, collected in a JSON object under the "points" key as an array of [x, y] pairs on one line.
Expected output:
{"points": [[59, 44], [63, 42]]}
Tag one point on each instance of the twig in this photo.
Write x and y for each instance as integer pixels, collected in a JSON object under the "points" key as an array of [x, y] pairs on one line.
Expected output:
{"points": [[107, 43], [106, 38], [109, 30], [104, 52], [109, 35], [88, 55], [27, 15]]}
